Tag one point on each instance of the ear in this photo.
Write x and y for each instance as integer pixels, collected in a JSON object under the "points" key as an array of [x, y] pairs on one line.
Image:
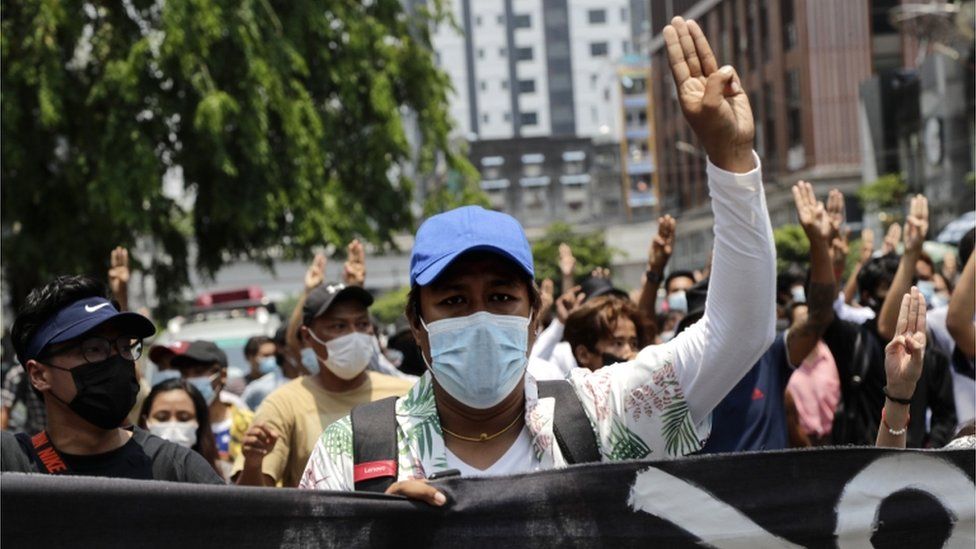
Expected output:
{"points": [[582, 354], [38, 375]]}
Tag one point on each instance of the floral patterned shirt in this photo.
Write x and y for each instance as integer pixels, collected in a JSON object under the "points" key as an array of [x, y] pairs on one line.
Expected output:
{"points": [[636, 409]]}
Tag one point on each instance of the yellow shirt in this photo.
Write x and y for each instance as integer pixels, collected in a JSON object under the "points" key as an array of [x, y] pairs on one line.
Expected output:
{"points": [[301, 409]]}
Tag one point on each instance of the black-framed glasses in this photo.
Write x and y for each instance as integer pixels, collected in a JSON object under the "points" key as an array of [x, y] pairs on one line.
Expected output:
{"points": [[98, 349]]}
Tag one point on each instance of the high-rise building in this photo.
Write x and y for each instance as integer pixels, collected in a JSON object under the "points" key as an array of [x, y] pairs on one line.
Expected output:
{"points": [[524, 70]]}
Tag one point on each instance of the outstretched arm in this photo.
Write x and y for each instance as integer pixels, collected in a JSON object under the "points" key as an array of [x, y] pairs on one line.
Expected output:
{"points": [[903, 367], [916, 227], [657, 260], [817, 225], [739, 320], [962, 307]]}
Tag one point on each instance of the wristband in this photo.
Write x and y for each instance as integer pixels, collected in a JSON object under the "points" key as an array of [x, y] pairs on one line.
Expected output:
{"points": [[905, 401], [653, 277], [894, 432]]}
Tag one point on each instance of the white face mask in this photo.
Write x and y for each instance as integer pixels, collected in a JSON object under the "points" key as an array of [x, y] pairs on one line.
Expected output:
{"points": [[349, 355], [183, 433]]}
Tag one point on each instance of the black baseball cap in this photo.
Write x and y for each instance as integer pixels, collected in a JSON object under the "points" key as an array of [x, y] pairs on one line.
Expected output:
{"points": [[594, 287], [323, 296], [200, 351], [696, 296]]}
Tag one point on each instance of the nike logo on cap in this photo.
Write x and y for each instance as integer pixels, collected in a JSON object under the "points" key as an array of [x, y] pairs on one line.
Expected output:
{"points": [[90, 309]]}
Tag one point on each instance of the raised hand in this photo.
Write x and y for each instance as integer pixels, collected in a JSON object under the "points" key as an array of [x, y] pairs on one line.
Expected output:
{"points": [[867, 246], [917, 224], [546, 290], [904, 354], [836, 210], [315, 274], [258, 442], [711, 98], [567, 263], [568, 302], [814, 219], [354, 271], [891, 239], [663, 244], [118, 275]]}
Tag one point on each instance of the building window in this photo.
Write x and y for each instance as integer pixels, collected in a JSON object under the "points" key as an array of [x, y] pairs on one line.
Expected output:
{"points": [[526, 86], [597, 17], [625, 46], [599, 49], [529, 118], [507, 117], [484, 118], [501, 19], [594, 116], [481, 53], [593, 81], [765, 46], [624, 15], [504, 84], [524, 54], [769, 131], [793, 108], [502, 52], [477, 21], [523, 21], [483, 85], [789, 24]]}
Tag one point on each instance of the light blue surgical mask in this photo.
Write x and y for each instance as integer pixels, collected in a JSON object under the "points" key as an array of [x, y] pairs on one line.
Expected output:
{"points": [[478, 359], [164, 375], [204, 384], [311, 361], [678, 301], [268, 365], [927, 289]]}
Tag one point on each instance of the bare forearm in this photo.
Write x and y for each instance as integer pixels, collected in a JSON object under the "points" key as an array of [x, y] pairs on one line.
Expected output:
{"points": [[850, 287], [252, 475], [648, 297], [899, 287], [896, 416], [962, 308], [820, 300]]}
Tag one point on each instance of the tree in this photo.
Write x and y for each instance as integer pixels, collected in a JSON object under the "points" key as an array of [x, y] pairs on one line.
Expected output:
{"points": [[885, 192], [792, 247], [589, 249], [285, 119], [391, 305]]}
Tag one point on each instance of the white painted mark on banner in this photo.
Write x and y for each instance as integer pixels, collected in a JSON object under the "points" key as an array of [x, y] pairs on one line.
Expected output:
{"points": [[860, 502], [700, 513]]}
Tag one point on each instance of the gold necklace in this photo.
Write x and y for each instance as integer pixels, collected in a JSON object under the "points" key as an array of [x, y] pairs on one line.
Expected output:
{"points": [[485, 437]]}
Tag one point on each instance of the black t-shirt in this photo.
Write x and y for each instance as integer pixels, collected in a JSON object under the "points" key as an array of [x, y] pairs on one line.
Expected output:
{"points": [[143, 457], [859, 353]]}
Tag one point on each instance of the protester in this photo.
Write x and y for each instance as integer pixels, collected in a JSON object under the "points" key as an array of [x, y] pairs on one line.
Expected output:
{"points": [[605, 331], [903, 365], [960, 324], [752, 416], [858, 351], [338, 338], [162, 357], [661, 248], [814, 387], [80, 353], [176, 411], [473, 301], [266, 374], [204, 365], [845, 307]]}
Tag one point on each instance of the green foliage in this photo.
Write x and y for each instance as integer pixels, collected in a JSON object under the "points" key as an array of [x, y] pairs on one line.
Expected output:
{"points": [[590, 250], [885, 192], [284, 117], [389, 306], [792, 246]]}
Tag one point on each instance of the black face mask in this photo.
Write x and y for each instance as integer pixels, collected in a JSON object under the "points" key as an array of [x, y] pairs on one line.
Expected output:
{"points": [[106, 391], [609, 359]]}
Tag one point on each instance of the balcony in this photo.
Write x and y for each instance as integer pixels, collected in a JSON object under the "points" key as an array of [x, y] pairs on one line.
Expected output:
{"points": [[540, 181], [635, 101], [580, 179], [640, 167], [637, 132], [494, 184]]}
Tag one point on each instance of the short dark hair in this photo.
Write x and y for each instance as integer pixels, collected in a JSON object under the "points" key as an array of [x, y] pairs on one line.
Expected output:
{"points": [[678, 274], [254, 344], [878, 270], [596, 319], [206, 445], [966, 245], [44, 302]]}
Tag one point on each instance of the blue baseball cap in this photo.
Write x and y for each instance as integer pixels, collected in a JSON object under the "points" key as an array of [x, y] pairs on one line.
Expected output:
{"points": [[81, 317], [443, 237]]}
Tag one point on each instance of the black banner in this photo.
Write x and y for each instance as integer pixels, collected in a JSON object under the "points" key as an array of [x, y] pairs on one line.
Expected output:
{"points": [[847, 497]]}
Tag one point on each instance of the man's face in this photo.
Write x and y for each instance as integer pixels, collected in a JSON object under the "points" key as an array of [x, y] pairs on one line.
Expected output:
{"points": [[264, 350], [622, 344], [679, 283], [474, 283], [343, 317], [69, 355], [193, 368]]}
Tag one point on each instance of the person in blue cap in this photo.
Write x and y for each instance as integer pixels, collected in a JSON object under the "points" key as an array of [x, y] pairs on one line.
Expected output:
{"points": [[79, 352], [473, 310]]}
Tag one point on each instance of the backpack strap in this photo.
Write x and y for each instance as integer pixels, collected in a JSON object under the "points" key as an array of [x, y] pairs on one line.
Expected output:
{"points": [[572, 428], [374, 445], [42, 453]]}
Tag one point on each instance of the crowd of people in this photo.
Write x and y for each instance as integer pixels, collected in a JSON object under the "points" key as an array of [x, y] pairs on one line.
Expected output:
{"points": [[487, 361]]}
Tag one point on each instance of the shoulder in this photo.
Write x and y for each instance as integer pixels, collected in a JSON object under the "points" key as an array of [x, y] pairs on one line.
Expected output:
{"points": [[389, 385], [286, 394], [13, 456], [173, 462]]}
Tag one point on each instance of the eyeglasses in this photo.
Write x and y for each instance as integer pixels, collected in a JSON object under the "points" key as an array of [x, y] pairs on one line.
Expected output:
{"points": [[98, 349]]}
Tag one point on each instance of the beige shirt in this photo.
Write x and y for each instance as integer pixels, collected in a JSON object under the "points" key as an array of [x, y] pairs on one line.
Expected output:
{"points": [[300, 410]]}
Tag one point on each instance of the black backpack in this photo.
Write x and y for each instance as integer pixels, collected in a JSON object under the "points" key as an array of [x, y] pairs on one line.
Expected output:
{"points": [[375, 441]]}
